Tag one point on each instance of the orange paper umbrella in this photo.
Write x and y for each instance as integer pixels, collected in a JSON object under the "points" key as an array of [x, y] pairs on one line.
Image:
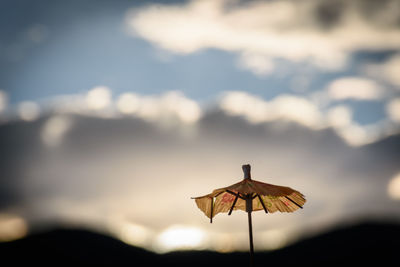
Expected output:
{"points": [[250, 195]]}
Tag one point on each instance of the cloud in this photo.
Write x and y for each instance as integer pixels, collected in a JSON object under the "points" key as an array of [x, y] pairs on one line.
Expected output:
{"points": [[168, 109], [98, 98], [126, 171], [259, 65], [162, 108], [283, 107], [340, 116], [28, 110], [307, 113], [173, 109], [394, 187], [393, 110], [170, 105], [340, 119], [3, 100], [128, 103], [354, 88], [387, 70], [37, 33], [322, 33], [54, 129], [391, 70]]}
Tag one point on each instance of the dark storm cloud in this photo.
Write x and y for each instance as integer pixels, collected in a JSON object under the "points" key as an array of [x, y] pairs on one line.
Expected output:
{"points": [[129, 158], [331, 13], [19, 145]]}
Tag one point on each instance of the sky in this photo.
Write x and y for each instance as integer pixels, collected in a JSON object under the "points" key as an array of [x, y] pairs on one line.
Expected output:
{"points": [[114, 113]]}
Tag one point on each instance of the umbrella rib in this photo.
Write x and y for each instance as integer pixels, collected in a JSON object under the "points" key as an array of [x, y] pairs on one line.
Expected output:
{"points": [[233, 193], [262, 203], [234, 203], [294, 202]]}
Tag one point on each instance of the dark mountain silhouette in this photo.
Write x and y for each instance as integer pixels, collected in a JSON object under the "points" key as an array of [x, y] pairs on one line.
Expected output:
{"points": [[366, 243], [72, 247]]}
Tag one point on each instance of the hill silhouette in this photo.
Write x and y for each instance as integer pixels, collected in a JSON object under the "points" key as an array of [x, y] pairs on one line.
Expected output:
{"points": [[366, 243]]}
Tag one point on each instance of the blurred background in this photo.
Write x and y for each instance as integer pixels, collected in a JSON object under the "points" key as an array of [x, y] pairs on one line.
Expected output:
{"points": [[113, 114]]}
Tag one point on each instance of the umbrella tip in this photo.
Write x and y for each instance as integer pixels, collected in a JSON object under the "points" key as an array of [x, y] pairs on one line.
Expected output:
{"points": [[246, 170]]}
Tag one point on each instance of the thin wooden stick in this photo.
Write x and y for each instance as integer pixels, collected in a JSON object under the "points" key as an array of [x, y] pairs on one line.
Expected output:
{"points": [[233, 205], [294, 202], [262, 203], [251, 239], [233, 193]]}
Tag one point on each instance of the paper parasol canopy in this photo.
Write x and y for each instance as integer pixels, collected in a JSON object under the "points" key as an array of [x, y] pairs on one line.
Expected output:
{"points": [[250, 195], [267, 197]]}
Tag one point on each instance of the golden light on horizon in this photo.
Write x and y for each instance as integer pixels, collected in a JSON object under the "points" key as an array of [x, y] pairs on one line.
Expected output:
{"points": [[179, 237], [273, 239], [134, 234], [394, 187], [12, 227], [224, 243]]}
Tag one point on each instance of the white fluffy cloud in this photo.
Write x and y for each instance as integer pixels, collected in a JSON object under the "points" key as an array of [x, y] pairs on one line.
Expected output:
{"points": [[340, 116], [391, 70], [28, 110], [305, 112], [165, 108], [128, 103], [173, 109], [293, 30], [98, 98], [393, 110], [171, 104], [284, 107], [387, 70], [259, 65], [354, 88]]}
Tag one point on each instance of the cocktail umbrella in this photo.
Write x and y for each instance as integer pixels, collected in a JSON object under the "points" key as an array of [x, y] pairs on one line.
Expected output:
{"points": [[250, 195]]}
